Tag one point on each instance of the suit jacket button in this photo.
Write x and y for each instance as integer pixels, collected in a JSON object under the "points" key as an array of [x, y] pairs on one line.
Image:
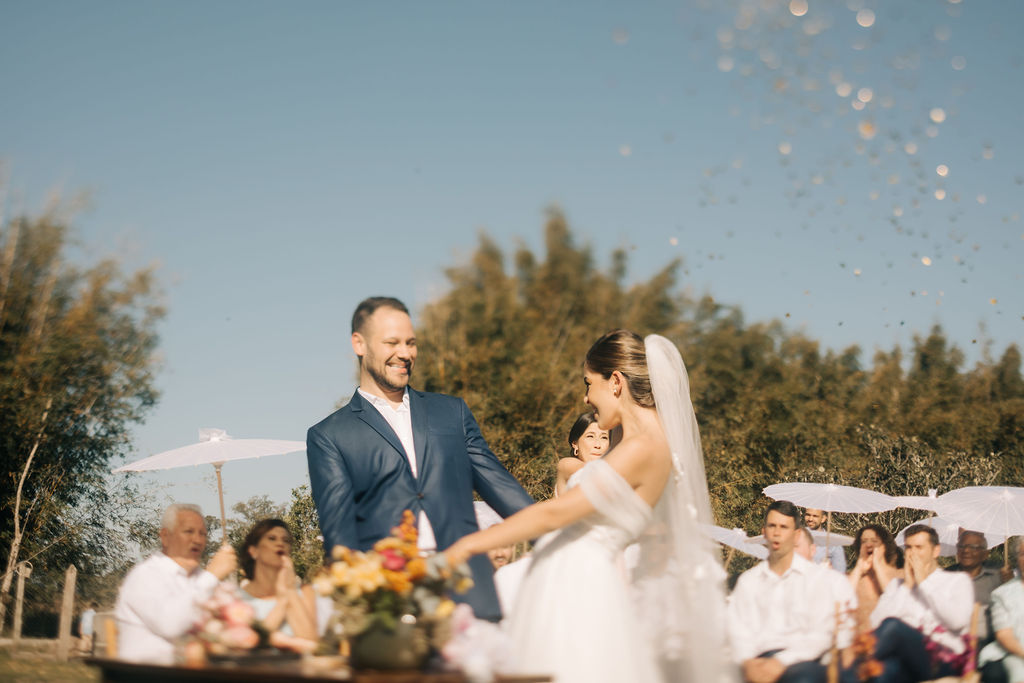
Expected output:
{"points": [[420, 496]]}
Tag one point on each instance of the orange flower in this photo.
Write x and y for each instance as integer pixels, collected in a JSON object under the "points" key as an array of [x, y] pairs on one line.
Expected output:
{"points": [[416, 569], [398, 582]]}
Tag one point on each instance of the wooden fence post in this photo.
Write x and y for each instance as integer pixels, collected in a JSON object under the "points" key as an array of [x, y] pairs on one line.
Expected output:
{"points": [[66, 613], [24, 571]]}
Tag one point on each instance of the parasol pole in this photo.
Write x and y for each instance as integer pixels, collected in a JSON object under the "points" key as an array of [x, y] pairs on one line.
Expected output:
{"points": [[728, 557], [220, 494], [828, 534]]}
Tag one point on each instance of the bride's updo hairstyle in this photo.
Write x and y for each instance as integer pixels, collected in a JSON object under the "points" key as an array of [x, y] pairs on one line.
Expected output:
{"points": [[623, 350]]}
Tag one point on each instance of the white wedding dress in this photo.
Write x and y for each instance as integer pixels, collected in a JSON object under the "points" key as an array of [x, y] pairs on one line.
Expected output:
{"points": [[577, 618], [574, 616]]}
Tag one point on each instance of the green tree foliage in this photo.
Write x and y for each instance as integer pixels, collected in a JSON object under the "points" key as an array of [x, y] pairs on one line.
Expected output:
{"points": [[511, 344], [772, 404], [76, 372]]}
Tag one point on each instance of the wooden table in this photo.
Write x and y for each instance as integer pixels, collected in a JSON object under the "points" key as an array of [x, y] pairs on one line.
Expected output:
{"points": [[285, 671]]}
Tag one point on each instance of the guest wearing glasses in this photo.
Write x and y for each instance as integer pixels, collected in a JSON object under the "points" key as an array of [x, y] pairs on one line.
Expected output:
{"points": [[971, 556]]}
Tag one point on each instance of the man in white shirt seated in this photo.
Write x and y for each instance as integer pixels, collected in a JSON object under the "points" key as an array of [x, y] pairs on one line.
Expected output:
{"points": [[841, 592], [921, 620], [780, 611], [157, 603]]}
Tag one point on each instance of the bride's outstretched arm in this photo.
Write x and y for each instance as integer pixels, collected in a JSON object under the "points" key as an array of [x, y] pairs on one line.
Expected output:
{"points": [[527, 524], [630, 459]]}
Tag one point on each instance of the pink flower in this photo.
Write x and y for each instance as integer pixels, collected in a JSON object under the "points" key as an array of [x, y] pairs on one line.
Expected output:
{"points": [[238, 614], [241, 638], [392, 560]]}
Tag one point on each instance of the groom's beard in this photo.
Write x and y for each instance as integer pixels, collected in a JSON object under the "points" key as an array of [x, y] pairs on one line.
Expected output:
{"points": [[386, 384]]}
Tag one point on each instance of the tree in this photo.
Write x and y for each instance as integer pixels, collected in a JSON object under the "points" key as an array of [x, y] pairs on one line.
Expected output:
{"points": [[511, 344], [76, 371]]}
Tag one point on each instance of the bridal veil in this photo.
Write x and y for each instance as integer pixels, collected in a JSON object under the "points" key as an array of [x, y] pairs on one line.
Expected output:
{"points": [[678, 579]]}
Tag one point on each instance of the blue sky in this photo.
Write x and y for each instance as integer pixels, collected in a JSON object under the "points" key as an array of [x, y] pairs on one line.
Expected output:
{"points": [[281, 161]]}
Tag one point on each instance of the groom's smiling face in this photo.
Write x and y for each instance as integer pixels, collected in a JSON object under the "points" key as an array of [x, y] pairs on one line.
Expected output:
{"points": [[387, 347]]}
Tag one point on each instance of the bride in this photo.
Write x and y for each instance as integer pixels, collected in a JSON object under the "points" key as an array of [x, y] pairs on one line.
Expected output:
{"points": [[575, 616]]}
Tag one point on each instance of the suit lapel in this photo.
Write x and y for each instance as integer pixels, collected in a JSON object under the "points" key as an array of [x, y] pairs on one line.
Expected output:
{"points": [[372, 417], [418, 408]]}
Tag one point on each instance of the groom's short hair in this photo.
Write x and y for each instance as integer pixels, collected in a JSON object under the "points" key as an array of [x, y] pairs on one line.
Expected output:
{"points": [[368, 307]]}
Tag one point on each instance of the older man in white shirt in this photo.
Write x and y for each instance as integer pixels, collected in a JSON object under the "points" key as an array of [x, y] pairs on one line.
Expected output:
{"points": [[158, 600], [921, 620], [780, 610]]}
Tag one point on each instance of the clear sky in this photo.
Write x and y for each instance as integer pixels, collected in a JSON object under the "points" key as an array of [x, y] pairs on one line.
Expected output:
{"points": [[853, 168]]}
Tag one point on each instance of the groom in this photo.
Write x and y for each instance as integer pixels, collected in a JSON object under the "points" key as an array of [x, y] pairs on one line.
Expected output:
{"points": [[393, 448]]}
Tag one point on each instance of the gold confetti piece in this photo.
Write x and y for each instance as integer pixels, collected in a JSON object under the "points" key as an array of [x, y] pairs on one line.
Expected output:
{"points": [[940, 194], [865, 95], [798, 8], [726, 63], [993, 301], [926, 261], [942, 170], [959, 63], [866, 129], [856, 271], [982, 199], [674, 241], [865, 18], [857, 105], [987, 153], [844, 89], [785, 148], [932, 131], [937, 115]]}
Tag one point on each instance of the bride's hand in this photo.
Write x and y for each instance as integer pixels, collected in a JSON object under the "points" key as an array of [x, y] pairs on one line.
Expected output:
{"points": [[456, 554]]}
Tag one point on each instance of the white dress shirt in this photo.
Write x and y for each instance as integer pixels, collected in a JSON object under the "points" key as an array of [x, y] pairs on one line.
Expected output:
{"points": [[157, 605], [400, 419], [791, 613], [846, 597], [943, 599]]}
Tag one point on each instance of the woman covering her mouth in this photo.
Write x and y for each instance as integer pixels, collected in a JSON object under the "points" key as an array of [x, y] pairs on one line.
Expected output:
{"points": [[281, 602]]}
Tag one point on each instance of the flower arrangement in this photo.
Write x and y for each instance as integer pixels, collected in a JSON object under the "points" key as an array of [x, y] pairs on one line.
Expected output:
{"points": [[392, 584], [227, 625], [868, 668]]}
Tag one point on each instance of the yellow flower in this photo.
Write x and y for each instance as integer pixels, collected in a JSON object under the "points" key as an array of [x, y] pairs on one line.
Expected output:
{"points": [[463, 584], [444, 609]]}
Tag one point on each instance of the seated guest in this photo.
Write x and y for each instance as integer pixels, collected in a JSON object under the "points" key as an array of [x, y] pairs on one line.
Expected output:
{"points": [[588, 442], [158, 600], [280, 601], [842, 593], [921, 620], [1004, 658], [862, 577], [815, 519], [971, 554], [780, 612]]}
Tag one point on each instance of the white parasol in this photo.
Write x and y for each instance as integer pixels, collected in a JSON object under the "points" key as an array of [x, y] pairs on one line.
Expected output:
{"points": [[736, 539], [215, 448], [992, 510], [949, 534], [929, 502], [831, 498]]}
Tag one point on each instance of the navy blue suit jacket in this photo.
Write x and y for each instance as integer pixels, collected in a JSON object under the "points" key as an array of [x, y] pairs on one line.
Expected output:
{"points": [[361, 479]]}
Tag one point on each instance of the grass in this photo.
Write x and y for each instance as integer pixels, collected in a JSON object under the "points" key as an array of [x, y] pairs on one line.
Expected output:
{"points": [[31, 669]]}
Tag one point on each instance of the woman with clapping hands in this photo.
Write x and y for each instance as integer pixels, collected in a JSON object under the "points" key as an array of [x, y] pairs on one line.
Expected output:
{"points": [[285, 607]]}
